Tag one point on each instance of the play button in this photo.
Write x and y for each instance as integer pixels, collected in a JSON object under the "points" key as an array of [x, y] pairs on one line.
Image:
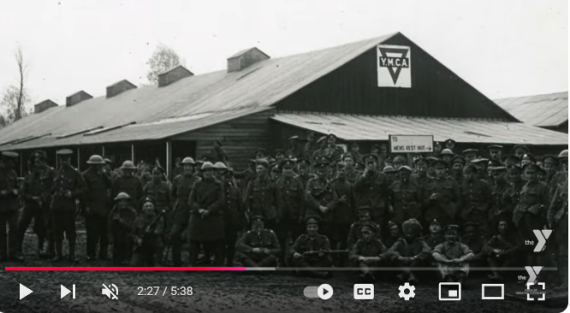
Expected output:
{"points": [[24, 291], [325, 291]]}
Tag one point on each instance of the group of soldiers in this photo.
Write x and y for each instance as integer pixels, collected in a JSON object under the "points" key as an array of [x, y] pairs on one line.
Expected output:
{"points": [[310, 207]]}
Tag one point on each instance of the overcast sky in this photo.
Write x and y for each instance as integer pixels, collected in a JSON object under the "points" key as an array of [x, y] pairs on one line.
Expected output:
{"points": [[502, 48]]}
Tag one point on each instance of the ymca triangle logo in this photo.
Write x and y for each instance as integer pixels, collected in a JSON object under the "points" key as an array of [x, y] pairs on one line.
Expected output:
{"points": [[393, 64]]}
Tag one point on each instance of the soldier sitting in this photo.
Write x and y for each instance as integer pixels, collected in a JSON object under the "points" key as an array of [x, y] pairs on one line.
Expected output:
{"points": [[147, 236], [368, 252], [452, 256], [258, 247], [355, 232], [504, 249], [435, 237], [394, 234], [121, 226], [311, 250], [411, 251], [476, 243]]}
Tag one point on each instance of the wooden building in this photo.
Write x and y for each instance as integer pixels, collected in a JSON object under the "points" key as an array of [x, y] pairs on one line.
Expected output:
{"points": [[361, 92], [549, 111]]}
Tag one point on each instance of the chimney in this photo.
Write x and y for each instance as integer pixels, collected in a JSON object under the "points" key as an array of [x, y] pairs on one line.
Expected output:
{"points": [[119, 87], [245, 58], [76, 98], [44, 105], [173, 75]]}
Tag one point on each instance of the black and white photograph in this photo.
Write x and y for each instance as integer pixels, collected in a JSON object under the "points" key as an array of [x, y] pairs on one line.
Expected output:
{"points": [[284, 156]]}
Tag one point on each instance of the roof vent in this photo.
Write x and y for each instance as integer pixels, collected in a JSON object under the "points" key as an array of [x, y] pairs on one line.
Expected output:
{"points": [[173, 75], [119, 87], [245, 58], [44, 105], [76, 98]]}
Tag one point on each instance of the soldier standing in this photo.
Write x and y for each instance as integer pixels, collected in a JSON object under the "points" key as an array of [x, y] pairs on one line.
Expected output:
{"points": [[421, 177], [9, 193], [322, 198], [499, 187], [551, 165], [261, 196], [557, 218], [372, 189], [96, 206], [304, 170], [181, 188], [441, 197], [129, 184], [520, 151], [258, 247], [206, 225], [311, 250], [446, 155], [234, 213], [456, 172], [67, 188], [351, 173], [344, 211], [121, 225], [470, 155], [406, 197], [159, 191], [291, 203], [147, 236], [495, 152], [37, 197], [475, 200]]}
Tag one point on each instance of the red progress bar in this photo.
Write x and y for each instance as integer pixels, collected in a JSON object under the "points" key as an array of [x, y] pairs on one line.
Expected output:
{"points": [[124, 269]]}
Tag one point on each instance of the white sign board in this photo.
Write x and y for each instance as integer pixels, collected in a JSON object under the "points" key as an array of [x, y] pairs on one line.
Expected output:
{"points": [[411, 143], [394, 66]]}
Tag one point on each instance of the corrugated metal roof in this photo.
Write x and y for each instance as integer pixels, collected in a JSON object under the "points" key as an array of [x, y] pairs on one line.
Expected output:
{"points": [[547, 110], [260, 85], [366, 127], [137, 132]]}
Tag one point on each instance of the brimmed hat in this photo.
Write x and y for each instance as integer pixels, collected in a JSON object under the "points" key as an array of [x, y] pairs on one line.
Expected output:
{"points": [[10, 154], [495, 147], [128, 165], [399, 159], [388, 170], [290, 163], [312, 220], [207, 166], [64, 152], [220, 166], [452, 228], [563, 154], [262, 162], [96, 159], [303, 162], [188, 160], [525, 148], [458, 159], [446, 152], [412, 224], [366, 157], [122, 196], [470, 151], [405, 168]]}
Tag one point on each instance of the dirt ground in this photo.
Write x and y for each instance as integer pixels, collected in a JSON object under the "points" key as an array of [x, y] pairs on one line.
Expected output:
{"points": [[232, 292]]}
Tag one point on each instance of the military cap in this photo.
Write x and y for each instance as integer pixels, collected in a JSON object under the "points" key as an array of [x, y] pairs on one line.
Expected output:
{"points": [[220, 166], [446, 152], [550, 157], [322, 162], [470, 151], [432, 159], [122, 196], [290, 163], [434, 222], [451, 228], [64, 152], [480, 160], [405, 168], [528, 158], [312, 220], [369, 227], [366, 157], [440, 161], [525, 148], [532, 166], [399, 159], [145, 199], [303, 162], [511, 157], [128, 165], [95, 159], [262, 162], [188, 160], [10, 154], [294, 138], [495, 147], [388, 169], [207, 166], [449, 141], [563, 154], [458, 159], [348, 155]]}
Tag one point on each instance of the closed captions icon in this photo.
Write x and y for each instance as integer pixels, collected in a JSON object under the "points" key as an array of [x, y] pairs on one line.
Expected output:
{"points": [[364, 291]]}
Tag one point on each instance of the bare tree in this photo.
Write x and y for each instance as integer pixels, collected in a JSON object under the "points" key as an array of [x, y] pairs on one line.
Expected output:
{"points": [[15, 98], [162, 59]]}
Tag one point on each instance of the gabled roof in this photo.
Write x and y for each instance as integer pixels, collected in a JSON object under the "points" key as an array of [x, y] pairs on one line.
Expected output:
{"points": [[547, 110], [258, 86]]}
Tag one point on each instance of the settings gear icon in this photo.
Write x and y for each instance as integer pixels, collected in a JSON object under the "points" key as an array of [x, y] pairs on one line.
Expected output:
{"points": [[409, 294]]}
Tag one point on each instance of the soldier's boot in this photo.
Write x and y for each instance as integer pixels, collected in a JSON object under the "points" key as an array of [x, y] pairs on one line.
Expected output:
{"points": [[49, 251], [58, 251], [72, 257]]}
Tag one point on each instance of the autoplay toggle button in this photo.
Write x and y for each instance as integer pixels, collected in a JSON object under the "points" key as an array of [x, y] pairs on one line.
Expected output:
{"points": [[324, 292]]}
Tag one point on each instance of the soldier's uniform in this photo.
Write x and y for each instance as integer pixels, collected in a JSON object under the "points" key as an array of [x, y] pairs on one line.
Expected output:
{"points": [[440, 199], [180, 192], [261, 198], [367, 253], [320, 193], [344, 212], [373, 190], [434, 238], [394, 234], [67, 188], [312, 251], [36, 193], [497, 209], [121, 225], [557, 217], [475, 201], [263, 240], [130, 185], [160, 193], [476, 243], [9, 193], [410, 252], [406, 198], [305, 175], [147, 238], [208, 230], [456, 170], [511, 196], [453, 250], [503, 251], [96, 199]]}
